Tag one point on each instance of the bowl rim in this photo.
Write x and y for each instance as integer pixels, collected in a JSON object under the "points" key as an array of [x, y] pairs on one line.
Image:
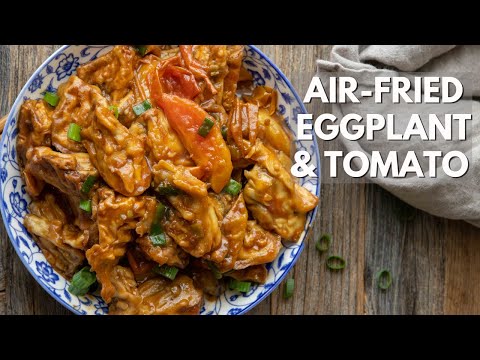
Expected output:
{"points": [[308, 227]]}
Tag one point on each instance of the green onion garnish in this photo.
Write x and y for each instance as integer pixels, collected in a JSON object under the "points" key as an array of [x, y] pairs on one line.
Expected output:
{"points": [[157, 235], [323, 243], [384, 279], [87, 185], [114, 109], [51, 98], [335, 262], [167, 190], [218, 275], [169, 272], [205, 128], [81, 281], [159, 239], [289, 286], [159, 213], [156, 229], [240, 286], [140, 108], [224, 132], [74, 132], [142, 49], [86, 205], [233, 187]]}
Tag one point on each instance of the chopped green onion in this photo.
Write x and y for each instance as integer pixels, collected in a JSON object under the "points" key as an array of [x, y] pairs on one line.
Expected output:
{"points": [[156, 229], [142, 49], [87, 185], [218, 275], [224, 132], [205, 128], [74, 132], [323, 243], [169, 272], [384, 279], [140, 108], [289, 286], [240, 286], [51, 98], [159, 212], [81, 281], [167, 190], [335, 262], [158, 239], [114, 108], [157, 235], [233, 187], [86, 205]]}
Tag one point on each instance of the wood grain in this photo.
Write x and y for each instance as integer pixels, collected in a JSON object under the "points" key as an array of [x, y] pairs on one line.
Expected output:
{"points": [[435, 262], [413, 251], [462, 265], [3, 120]]}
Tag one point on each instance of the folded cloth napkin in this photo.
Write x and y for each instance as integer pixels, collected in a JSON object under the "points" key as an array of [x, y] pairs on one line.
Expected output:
{"points": [[442, 196]]}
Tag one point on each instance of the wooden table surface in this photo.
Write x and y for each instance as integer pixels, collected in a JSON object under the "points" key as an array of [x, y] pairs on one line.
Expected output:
{"points": [[435, 262]]}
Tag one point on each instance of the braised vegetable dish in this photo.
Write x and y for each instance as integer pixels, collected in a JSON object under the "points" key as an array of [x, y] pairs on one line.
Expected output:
{"points": [[160, 176]]}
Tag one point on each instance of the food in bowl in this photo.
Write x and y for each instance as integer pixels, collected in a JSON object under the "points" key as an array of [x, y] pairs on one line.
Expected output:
{"points": [[161, 173]]}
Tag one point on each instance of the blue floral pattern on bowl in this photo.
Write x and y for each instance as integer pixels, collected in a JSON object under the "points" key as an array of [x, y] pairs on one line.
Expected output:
{"points": [[14, 199], [67, 65]]}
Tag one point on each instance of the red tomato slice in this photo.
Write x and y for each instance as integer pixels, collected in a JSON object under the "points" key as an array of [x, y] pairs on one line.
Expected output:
{"points": [[179, 81], [210, 152]]}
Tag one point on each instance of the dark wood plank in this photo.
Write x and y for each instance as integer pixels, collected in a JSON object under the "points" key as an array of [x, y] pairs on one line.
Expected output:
{"points": [[412, 250], [462, 263], [3, 309]]}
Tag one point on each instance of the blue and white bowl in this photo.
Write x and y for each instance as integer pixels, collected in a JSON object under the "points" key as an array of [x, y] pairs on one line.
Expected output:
{"points": [[56, 70]]}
